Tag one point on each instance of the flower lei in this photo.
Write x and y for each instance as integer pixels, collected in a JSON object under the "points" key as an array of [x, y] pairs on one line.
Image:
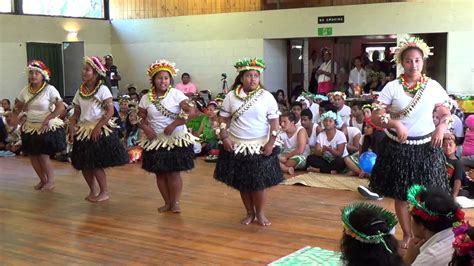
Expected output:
{"points": [[153, 97], [414, 88], [85, 94], [390, 218], [30, 90], [462, 243], [250, 95]]}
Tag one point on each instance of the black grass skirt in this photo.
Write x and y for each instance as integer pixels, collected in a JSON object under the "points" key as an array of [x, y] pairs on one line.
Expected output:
{"points": [[164, 160], [103, 153], [248, 173], [399, 166], [48, 143]]}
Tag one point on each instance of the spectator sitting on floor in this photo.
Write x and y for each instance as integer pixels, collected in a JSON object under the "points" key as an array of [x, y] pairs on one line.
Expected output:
{"points": [[295, 144]]}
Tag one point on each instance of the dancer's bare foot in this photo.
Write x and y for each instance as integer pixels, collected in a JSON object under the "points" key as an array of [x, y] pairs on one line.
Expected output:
{"points": [[248, 219], [164, 208], [404, 242], [91, 195], [262, 220], [101, 197], [175, 207], [291, 170], [313, 169], [39, 185], [48, 186]]}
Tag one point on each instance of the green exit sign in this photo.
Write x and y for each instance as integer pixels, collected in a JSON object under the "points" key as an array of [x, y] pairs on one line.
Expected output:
{"points": [[325, 31]]}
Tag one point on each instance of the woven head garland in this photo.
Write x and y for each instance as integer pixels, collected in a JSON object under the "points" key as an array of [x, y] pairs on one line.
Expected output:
{"points": [[250, 64], [389, 219], [96, 63], [418, 208], [162, 65], [41, 67], [411, 42]]}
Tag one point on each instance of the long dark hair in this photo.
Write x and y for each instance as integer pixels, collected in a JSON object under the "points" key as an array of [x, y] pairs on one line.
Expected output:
{"points": [[238, 81], [357, 253]]}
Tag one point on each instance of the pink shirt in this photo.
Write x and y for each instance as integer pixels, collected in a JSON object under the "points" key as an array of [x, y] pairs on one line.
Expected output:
{"points": [[468, 146], [186, 88]]}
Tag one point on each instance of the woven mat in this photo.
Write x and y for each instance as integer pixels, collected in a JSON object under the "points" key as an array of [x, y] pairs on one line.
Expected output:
{"points": [[339, 182], [310, 256]]}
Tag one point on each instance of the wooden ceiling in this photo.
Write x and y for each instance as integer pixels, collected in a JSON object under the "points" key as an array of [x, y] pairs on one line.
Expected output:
{"points": [[136, 9]]}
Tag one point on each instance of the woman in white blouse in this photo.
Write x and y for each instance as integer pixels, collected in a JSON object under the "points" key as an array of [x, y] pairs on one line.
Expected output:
{"points": [[43, 132]]}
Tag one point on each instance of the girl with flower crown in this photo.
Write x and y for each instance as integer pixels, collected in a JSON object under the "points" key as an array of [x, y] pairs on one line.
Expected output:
{"points": [[43, 132], [248, 158], [167, 149], [92, 130], [412, 151], [434, 217]]}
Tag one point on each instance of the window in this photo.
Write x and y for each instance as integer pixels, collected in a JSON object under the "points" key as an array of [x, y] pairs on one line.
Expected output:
{"points": [[6, 6], [67, 8]]}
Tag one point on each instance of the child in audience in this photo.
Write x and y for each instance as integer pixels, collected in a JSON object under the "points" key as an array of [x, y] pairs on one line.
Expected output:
{"points": [[296, 108], [295, 144], [133, 134], [367, 237], [330, 148], [310, 127], [207, 134], [13, 128], [357, 117], [353, 139], [467, 158], [433, 213], [453, 165], [367, 110], [342, 109]]}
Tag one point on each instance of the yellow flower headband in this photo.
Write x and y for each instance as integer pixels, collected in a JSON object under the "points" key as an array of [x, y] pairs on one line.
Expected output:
{"points": [[412, 42], [162, 65]]}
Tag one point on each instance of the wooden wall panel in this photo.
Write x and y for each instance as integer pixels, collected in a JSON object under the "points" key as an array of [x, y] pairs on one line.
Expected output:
{"points": [[134, 9]]}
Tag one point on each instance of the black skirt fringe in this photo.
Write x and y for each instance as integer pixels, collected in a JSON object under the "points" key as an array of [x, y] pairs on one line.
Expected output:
{"points": [[248, 173], [399, 166], [163, 160], [48, 143], [106, 152]]}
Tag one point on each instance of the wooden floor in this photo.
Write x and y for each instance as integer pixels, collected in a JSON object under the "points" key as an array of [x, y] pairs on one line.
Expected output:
{"points": [[59, 227]]}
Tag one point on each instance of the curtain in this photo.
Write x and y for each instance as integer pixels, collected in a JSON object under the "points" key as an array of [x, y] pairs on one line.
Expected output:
{"points": [[51, 55]]}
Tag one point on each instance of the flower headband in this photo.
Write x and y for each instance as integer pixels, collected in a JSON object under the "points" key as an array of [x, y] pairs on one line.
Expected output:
{"points": [[162, 65], [329, 114], [339, 93], [314, 97], [96, 63], [412, 42], [418, 208], [390, 218], [369, 122], [250, 64], [368, 106], [462, 244], [41, 67]]}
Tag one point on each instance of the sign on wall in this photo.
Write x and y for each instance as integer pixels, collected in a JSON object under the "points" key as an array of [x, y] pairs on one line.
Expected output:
{"points": [[325, 31], [330, 19]]}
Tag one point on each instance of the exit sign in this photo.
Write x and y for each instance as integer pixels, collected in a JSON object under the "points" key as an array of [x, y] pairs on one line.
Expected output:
{"points": [[325, 31]]}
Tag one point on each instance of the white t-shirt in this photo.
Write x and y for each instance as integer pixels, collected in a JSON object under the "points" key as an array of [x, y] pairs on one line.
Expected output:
{"points": [[420, 121], [351, 133], [41, 106], [353, 123], [438, 250], [315, 110], [155, 118], [91, 108], [339, 138], [458, 127], [345, 114], [312, 139], [253, 123], [290, 144], [326, 66], [357, 76]]}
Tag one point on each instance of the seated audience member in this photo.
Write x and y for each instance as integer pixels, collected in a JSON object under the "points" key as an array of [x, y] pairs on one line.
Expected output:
{"points": [[186, 86], [310, 127], [326, 106], [282, 101], [433, 213], [467, 155], [371, 141], [131, 89], [296, 108], [6, 105], [13, 128], [3, 134], [353, 139], [134, 97], [142, 93], [328, 156], [295, 144], [454, 166], [133, 134], [463, 245], [367, 110], [207, 131], [342, 109], [304, 102], [367, 238], [357, 76], [357, 117]]}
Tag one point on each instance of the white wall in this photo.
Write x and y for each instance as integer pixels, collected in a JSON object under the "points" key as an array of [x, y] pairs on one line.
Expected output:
{"points": [[275, 56], [15, 31], [207, 45]]}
